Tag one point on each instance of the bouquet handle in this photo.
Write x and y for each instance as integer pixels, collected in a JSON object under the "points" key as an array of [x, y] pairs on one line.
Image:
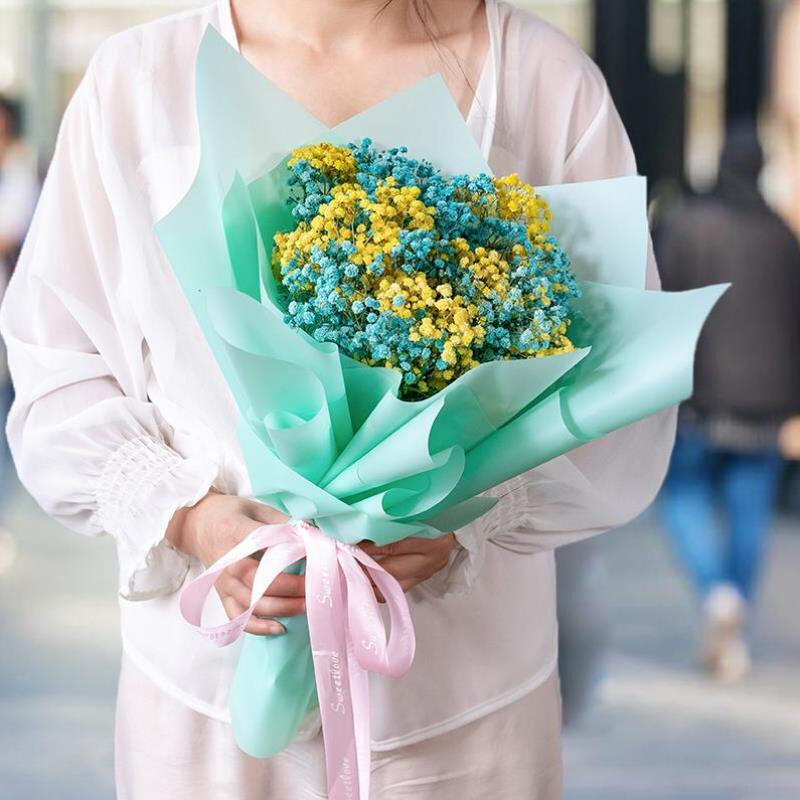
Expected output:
{"points": [[273, 692], [346, 633]]}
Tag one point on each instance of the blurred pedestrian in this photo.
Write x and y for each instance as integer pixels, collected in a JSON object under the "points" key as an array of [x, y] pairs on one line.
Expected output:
{"points": [[18, 191], [786, 106], [18, 186], [784, 187], [747, 383]]}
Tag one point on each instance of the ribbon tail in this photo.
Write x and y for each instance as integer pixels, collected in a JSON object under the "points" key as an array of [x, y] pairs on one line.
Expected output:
{"points": [[359, 690], [325, 608]]}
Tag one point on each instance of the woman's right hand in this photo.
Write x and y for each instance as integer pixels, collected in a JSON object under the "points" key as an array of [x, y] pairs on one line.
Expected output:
{"points": [[210, 529]]}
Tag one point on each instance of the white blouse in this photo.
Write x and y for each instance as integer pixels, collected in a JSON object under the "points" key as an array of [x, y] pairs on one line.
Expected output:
{"points": [[122, 416]]}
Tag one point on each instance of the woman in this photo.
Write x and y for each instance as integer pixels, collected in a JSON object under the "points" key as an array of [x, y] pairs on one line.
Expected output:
{"points": [[123, 423]]}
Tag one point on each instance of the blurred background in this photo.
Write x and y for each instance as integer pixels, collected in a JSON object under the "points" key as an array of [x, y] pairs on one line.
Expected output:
{"points": [[680, 645]]}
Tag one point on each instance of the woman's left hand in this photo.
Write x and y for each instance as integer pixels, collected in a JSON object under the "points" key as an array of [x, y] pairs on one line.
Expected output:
{"points": [[412, 561]]}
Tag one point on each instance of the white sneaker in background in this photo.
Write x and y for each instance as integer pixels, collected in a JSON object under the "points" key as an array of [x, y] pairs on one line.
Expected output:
{"points": [[724, 652]]}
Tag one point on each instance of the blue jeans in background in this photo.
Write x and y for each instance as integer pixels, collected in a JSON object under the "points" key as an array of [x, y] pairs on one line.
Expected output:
{"points": [[718, 507]]}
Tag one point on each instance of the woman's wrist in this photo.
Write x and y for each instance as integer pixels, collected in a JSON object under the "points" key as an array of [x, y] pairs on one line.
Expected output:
{"points": [[184, 526], [176, 531]]}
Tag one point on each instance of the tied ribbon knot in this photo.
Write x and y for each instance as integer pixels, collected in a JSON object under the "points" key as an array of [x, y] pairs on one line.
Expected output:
{"points": [[347, 634]]}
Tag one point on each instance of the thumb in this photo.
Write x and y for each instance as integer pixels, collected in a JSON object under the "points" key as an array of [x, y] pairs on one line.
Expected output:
{"points": [[266, 514]]}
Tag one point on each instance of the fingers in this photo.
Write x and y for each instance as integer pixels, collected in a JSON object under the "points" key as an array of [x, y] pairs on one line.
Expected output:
{"points": [[412, 568], [284, 598], [264, 627], [410, 545], [259, 627], [265, 514], [285, 585], [378, 594], [408, 569], [270, 605], [410, 561]]}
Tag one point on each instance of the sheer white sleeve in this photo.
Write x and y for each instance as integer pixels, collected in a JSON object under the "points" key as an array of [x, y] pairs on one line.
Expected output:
{"points": [[88, 444], [603, 484]]}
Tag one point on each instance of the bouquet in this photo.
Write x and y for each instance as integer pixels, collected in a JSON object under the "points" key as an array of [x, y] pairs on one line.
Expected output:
{"points": [[401, 331], [408, 269]]}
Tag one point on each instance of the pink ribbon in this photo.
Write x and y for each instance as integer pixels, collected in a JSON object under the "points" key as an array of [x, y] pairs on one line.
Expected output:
{"points": [[347, 634]]}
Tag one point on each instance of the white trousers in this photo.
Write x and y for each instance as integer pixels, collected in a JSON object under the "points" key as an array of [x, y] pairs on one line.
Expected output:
{"points": [[167, 751]]}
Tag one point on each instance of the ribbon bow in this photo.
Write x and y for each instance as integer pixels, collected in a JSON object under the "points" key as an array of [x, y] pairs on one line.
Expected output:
{"points": [[347, 634]]}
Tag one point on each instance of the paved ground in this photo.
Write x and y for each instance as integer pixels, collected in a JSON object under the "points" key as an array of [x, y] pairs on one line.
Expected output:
{"points": [[655, 731], [659, 731], [58, 662]]}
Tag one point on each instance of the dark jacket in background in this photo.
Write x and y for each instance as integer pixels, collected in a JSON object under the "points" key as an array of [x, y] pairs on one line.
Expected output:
{"points": [[748, 360]]}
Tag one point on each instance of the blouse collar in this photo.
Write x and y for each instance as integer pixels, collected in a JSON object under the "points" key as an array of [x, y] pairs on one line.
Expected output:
{"points": [[483, 111]]}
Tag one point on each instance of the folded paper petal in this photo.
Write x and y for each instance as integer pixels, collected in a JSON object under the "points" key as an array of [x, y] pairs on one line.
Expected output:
{"points": [[603, 226]]}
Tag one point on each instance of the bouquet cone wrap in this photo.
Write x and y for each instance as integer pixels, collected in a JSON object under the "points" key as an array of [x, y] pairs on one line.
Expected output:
{"points": [[326, 439]]}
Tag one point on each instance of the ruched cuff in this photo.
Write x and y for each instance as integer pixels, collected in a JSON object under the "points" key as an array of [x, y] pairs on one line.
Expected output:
{"points": [[466, 560], [142, 485], [465, 563]]}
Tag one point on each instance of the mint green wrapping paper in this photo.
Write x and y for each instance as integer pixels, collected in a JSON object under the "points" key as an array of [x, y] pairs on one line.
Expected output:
{"points": [[327, 439]]}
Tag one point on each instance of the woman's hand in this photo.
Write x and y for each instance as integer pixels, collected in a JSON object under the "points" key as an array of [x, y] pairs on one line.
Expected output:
{"points": [[213, 526], [412, 561]]}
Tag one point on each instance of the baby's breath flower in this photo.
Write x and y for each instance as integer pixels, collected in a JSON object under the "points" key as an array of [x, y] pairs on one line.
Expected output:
{"points": [[405, 268]]}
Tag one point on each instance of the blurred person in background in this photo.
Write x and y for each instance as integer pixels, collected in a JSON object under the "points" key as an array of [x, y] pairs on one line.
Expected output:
{"points": [[747, 383], [786, 112], [18, 186], [786, 103], [18, 190]]}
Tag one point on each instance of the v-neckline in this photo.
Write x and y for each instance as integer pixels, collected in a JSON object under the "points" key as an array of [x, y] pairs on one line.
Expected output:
{"points": [[488, 70]]}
